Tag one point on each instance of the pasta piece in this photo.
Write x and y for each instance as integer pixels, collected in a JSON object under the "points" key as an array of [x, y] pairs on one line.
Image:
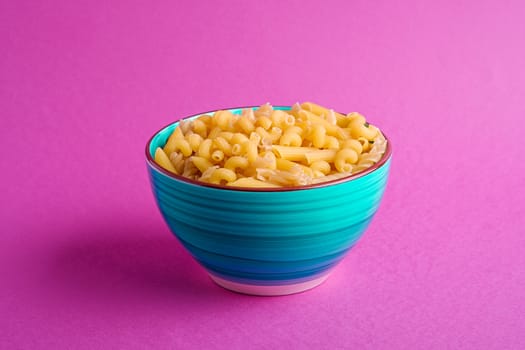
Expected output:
{"points": [[282, 177], [205, 149], [331, 129], [224, 120], [222, 176], [190, 170], [321, 165], [353, 144], [194, 141], [227, 135], [266, 160], [318, 135], [177, 134], [295, 129], [185, 126], [275, 133], [292, 153], [331, 142], [179, 144], [200, 127], [340, 119], [327, 155], [162, 159], [344, 159], [281, 119], [201, 163], [262, 133], [215, 132], [206, 119], [223, 145], [331, 177], [251, 182], [217, 156], [284, 164], [238, 138], [264, 110], [236, 162], [238, 149], [358, 129], [251, 150], [264, 122], [244, 124], [291, 139], [207, 173], [177, 159]]}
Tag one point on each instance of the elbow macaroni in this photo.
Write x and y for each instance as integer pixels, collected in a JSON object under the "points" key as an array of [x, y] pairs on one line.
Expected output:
{"points": [[268, 147]]}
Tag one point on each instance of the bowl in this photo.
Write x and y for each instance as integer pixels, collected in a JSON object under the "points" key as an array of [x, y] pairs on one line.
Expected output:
{"points": [[273, 241]]}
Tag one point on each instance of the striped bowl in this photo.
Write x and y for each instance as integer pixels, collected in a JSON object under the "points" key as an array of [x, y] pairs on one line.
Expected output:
{"points": [[267, 241]]}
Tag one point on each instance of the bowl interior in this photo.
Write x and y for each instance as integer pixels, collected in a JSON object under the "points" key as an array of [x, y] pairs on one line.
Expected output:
{"points": [[160, 138]]}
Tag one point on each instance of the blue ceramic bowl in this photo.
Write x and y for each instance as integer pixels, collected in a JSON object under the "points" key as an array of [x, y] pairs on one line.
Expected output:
{"points": [[267, 241]]}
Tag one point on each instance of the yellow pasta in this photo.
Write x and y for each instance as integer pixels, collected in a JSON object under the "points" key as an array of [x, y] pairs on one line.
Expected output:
{"points": [[280, 118], [251, 150], [284, 164], [177, 134], [201, 163], [239, 149], [275, 134], [162, 159], [244, 124], [221, 144], [238, 138], [177, 159], [327, 155], [266, 160], [214, 132], [331, 129], [353, 144], [340, 119], [195, 141], [251, 182], [236, 162], [291, 139], [266, 147], [331, 142], [217, 156], [321, 165], [292, 153], [262, 133], [190, 170], [179, 144], [344, 159], [223, 119], [204, 150], [227, 135], [264, 110], [264, 122], [222, 175], [200, 127], [365, 144], [362, 130], [318, 136]]}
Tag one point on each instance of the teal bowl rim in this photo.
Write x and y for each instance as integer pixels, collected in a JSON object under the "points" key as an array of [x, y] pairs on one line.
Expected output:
{"points": [[152, 163]]}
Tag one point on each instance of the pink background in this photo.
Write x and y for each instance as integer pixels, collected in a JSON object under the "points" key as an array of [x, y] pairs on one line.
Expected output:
{"points": [[86, 261]]}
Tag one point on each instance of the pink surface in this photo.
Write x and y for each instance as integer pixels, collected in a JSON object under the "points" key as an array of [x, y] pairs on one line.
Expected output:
{"points": [[85, 259]]}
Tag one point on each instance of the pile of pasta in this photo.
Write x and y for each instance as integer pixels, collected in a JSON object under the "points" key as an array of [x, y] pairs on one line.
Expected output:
{"points": [[267, 147]]}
